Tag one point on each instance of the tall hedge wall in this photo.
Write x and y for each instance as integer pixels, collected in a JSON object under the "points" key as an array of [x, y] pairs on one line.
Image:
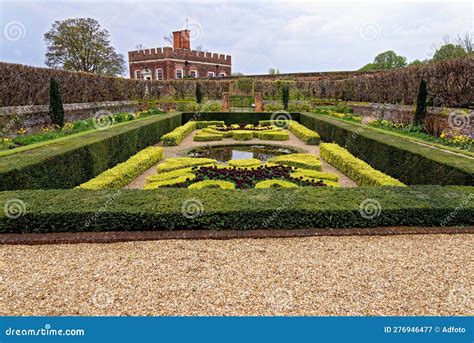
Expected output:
{"points": [[70, 162], [449, 84], [24, 85], [303, 208], [401, 158]]}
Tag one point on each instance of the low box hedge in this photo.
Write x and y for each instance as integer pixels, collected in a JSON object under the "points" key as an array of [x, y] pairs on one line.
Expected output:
{"points": [[207, 137], [308, 136], [274, 135], [177, 135], [78, 210], [410, 162], [358, 170], [70, 162], [242, 135], [124, 173]]}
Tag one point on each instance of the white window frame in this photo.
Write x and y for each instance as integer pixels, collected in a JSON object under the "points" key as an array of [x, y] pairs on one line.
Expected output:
{"points": [[211, 74], [222, 74], [176, 74], [156, 73], [196, 74], [138, 74]]}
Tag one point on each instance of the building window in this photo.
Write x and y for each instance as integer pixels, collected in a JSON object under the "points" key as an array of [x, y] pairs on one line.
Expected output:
{"points": [[179, 73], [137, 74], [194, 73], [222, 74], [210, 74], [159, 74]]}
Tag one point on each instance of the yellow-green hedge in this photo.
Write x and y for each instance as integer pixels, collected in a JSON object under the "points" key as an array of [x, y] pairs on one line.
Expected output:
{"points": [[211, 130], [359, 171], [274, 135], [242, 135], [308, 136], [307, 161], [314, 174], [177, 135], [183, 162], [170, 182], [205, 123], [123, 173], [207, 137], [212, 184], [275, 184], [246, 162]]}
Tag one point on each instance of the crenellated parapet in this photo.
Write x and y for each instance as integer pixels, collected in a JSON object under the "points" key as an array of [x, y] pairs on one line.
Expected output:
{"points": [[180, 54]]}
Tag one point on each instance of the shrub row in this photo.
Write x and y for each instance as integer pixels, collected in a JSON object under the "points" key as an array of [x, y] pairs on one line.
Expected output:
{"points": [[234, 117], [123, 173], [306, 161], [274, 135], [308, 136], [359, 171], [77, 210], [407, 161], [177, 135], [207, 137], [70, 162]]}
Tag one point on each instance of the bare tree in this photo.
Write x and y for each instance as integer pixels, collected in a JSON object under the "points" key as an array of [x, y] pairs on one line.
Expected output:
{"points": [[466, 41]]}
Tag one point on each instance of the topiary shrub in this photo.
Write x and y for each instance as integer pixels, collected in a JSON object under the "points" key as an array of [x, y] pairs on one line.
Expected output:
{"points": [[421, 108], [207, 137], [274, 135], [56, 110], [246, 162], [307, 161], [285, 96], [198, 92]]}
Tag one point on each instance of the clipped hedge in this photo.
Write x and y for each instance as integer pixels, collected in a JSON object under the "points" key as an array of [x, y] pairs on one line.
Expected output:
{"points": [[407, 161], [123, 173], [308, 136], [274, 135], [177, 135], [76, 210], [359, 171], [212, 184], [70, 162], [242, 135], [307, 161], [245, 162], [275, 184], [207, 137], [205, 123], [174, 163]]}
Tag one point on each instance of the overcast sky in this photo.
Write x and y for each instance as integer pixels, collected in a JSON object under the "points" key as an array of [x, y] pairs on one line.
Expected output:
{"points": [[290, 36]]}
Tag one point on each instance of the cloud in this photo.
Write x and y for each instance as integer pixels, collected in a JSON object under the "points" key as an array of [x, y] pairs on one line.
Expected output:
{"points": [[286, 35]]}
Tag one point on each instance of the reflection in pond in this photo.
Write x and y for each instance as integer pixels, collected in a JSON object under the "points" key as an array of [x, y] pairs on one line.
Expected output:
{"points": [[239, 152]]}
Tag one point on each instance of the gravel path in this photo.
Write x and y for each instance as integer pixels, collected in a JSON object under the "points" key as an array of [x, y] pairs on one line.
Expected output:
{"points": [[188, 143], [376, 275]]}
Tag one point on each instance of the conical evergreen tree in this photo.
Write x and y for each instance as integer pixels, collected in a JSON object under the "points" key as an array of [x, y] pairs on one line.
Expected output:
{"points": [[56, 110]]}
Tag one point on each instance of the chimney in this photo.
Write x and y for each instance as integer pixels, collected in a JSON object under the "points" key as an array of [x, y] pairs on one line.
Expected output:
{"points": [[181, 39]]}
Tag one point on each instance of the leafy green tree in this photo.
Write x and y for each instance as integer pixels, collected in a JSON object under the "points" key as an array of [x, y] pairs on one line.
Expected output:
{"points": [[386, 60], [273, 71], [449, 51], [56, 110], [421, 108], [198, 93], [80, 44], [285, 96], [415, 63]]}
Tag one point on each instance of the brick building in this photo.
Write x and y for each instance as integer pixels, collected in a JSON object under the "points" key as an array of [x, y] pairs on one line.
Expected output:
{"points": [[178, 62]]}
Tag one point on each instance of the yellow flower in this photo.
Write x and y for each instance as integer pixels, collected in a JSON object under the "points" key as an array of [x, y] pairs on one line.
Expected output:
{"points": [[21, 131]]}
